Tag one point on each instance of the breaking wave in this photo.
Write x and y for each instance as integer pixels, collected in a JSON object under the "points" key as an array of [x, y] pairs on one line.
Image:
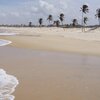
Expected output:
{"points": [[4, 42], [8, 84], [8, 34]]}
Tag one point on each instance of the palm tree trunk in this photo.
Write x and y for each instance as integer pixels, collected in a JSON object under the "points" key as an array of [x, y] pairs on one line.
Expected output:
{"points": [[84, 28], [49, 22], [62, 23], [82, 22], [99, 21]]}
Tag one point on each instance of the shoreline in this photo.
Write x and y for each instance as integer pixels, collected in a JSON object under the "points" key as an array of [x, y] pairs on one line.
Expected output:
{"points": [[58, 45], [71, 40]]}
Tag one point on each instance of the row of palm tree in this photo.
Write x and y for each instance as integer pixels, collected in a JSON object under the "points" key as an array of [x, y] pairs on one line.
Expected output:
{"points": [[84, 10], [50, 19]]}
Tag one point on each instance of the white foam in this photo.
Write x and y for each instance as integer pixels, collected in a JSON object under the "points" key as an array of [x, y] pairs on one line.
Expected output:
{"points": [[8, 84], [4, 42], [8, 34]]}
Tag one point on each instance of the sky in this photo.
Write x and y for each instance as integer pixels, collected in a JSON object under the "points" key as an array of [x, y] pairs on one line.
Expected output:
{"points": [[24, 11]]}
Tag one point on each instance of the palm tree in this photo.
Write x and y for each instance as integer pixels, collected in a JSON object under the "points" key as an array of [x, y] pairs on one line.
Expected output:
{"points": [[61, 17], [98, 14], [57, 23], [75, 22], [30, 24], [40, 21], [50, 18], [85, 20], [84, 10]]}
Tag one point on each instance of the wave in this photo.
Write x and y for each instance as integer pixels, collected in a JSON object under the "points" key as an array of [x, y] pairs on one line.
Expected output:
{"points": [[4, 42], [8, 84], [8, 34]]}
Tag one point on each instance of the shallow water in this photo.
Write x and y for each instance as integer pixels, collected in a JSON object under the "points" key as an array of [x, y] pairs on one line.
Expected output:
{"points": [[6, 42], [53, 76]]}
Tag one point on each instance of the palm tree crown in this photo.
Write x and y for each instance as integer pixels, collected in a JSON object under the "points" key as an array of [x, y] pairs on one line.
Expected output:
{"points": [[85, 9], [50, 18], [41, 21], [61, 18]]}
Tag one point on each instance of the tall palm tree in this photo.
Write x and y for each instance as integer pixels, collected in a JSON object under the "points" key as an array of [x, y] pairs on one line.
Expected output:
{"points": [[98, 14], [75, 22], [61, 17], [84, 10], [50, 18], [40, 21]]}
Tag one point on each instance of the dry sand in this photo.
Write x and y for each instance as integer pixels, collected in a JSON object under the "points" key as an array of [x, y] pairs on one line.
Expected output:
{"points": [[53, 64]]}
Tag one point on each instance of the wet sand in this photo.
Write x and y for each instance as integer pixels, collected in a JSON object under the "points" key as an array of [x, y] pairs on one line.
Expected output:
{"points": [[52, 75]]}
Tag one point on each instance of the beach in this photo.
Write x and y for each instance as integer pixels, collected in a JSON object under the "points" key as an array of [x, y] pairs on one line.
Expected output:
{"points": [[55, 39], [53, 63]]}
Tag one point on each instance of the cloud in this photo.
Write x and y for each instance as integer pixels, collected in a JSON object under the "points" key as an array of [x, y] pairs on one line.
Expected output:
{"points": [[23, 11], [3, 14], [46, 5], [16, 14]]}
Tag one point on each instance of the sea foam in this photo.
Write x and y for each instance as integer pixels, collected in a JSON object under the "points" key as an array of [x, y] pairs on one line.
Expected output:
{"points": [[8, 84], [4, 42]]}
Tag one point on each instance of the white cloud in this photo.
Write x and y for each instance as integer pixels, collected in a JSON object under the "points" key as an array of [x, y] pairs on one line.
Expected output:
{"points": [[16, 14], [3, 14], [34, 9], [45, 5]]}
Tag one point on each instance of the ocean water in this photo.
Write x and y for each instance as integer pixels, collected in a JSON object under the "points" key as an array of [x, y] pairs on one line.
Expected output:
{"points": [[4, 42], [8, 84], [7, 34]]}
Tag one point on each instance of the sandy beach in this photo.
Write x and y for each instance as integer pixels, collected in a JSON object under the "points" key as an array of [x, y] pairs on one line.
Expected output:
{"points": [[55, 39], [53, 63]]}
